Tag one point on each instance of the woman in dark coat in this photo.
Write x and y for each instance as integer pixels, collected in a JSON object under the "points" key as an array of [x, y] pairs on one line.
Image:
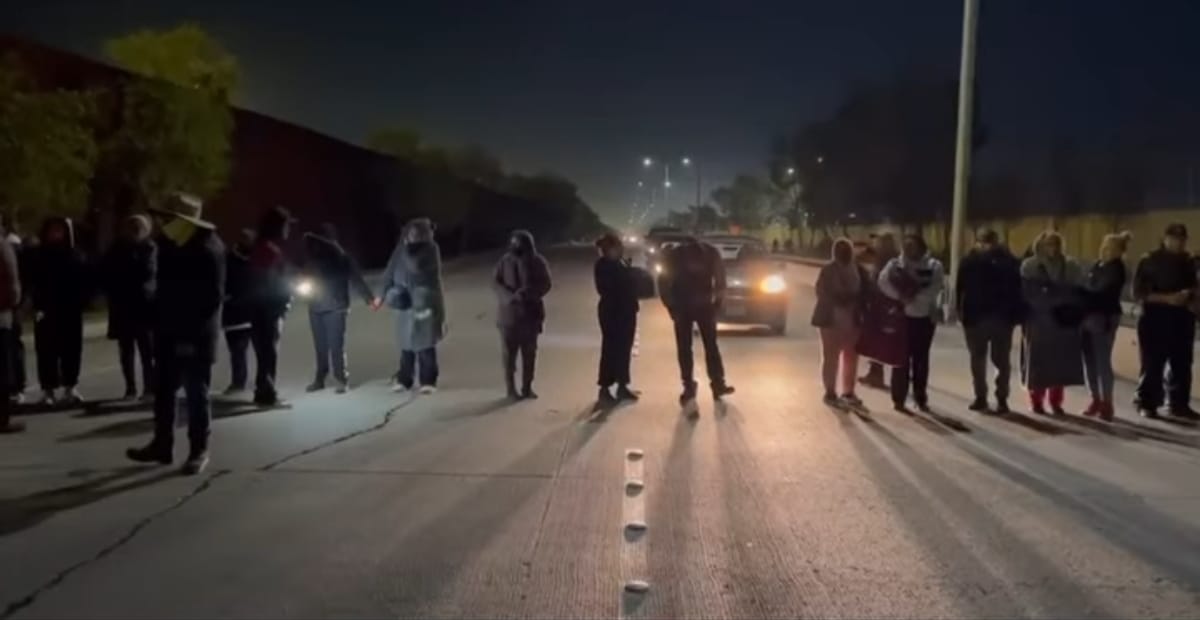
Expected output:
{"points": [[59, 287], [617, 310], [129, 282], [412, 285], [1103, 285], [1052, 340]]}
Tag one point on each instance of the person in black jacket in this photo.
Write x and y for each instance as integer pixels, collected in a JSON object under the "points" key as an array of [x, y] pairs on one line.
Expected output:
{"points": [[271, 298], [235, 314], [988, 302], [60, 287], [333, 272], [191, 288], [129, 279], [692, 287], [1103, 284], [1166, 284], [617, 310]]}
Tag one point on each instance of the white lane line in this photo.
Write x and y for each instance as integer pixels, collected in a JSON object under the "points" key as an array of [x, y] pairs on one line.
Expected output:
{"points": [[633, 529]]}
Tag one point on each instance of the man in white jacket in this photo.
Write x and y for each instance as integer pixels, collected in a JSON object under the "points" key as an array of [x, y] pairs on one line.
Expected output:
{"points": [[915, 279]]}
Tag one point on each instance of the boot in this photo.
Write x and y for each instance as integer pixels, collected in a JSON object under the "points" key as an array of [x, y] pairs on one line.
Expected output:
{"points": [[688, 395], [1094, 409], [154, 452], [1106, 411], [722, 390]]}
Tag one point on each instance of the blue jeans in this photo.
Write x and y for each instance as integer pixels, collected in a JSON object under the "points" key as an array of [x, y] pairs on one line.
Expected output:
{"points": [[1099, 335], [194, 375], [329, 341]]}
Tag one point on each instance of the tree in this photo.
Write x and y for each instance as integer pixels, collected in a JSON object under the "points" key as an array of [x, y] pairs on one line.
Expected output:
{"points": [[397, 142], [47, 145], [174, 122], [746, 202], [477, 165]]}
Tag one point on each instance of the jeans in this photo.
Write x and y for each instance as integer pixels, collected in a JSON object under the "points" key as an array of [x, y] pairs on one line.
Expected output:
{"points": [[58, 340], [1099, 336], [838, 346], [916, 367], [992, 338], [706, 323], [137, 345], [1166, 339], [523, 341], [264, 335], [194, 375], [238, 341], [423, 363], [616, 349], [329, 341]]}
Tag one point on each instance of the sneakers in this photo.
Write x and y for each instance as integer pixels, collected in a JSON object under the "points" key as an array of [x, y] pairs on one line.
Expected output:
{"points": [[852, 400], [831, 399], [341, 388], [71, 396], [624, 393], [688, 395], [923, 407], [315, 386], [721, 391], [150, 454], [605, 397], [195, 464], [48, 399], [513, 394], [980, 405], [269, 400], [1002, 407], [233, 390], [432, 389], [1150, 413], [130, 393], [529, 394], [400, 388]]}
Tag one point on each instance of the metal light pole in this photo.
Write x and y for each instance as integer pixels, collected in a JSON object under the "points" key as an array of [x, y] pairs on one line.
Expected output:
{"points": [[962, 156]]}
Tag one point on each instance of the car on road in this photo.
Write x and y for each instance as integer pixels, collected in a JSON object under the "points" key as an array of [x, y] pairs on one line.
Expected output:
{"points": [[756, 289], [656, 241]]}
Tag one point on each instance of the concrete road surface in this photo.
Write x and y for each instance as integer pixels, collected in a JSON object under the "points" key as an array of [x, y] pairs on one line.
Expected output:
{"points": [[463, 505]]}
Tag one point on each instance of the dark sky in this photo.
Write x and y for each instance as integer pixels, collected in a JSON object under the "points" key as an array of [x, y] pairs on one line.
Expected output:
{"points": [[586, 88]]}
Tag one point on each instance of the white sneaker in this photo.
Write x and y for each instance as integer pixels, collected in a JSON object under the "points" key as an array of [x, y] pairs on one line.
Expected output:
{"points": [[18, 398], [398, 387], [71, 396], [48, 399], [428, 389]]}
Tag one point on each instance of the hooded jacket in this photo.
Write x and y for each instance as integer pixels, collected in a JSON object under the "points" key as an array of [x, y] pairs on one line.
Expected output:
{"points": [[917, 283], [59, 282], [412, 285], [333, 272], [521, 280]]}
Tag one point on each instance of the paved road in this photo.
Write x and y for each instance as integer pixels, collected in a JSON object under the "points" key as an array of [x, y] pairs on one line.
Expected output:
{"points": [[459, 504]]}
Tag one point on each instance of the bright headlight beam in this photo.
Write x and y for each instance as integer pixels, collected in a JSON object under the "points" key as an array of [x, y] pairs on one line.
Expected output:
{"points": [[304, 288], [773, 284]]}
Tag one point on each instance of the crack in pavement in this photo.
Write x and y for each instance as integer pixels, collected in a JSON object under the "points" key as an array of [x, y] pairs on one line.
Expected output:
{"points": [[23, 602], [387, 419]]}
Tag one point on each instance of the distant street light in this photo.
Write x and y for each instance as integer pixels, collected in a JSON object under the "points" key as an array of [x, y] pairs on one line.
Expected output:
{"points": [[791, 172], [687, 161], [820, 159], [667, 184], [647, 162]]}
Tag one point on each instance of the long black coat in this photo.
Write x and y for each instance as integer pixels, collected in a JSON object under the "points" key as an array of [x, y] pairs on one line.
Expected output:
{"points": [[236, 313], [191, 288], [617, 287], [129, 272]]}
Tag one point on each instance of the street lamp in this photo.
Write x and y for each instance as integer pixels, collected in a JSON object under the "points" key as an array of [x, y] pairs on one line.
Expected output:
{"points": [[647, 162], [962, 156], [791, 172]]}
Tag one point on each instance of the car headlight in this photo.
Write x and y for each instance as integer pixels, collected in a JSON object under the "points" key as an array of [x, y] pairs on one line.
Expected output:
{"points": [[652, 250], [658, 268], [304, 288], [773, 284]]}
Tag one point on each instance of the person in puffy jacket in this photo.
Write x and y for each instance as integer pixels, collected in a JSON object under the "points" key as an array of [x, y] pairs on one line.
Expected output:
{"points": [[915, 278], [988, 301], [413, 287], [129, 270], [617, 311], [521, 280], [60, 286]]}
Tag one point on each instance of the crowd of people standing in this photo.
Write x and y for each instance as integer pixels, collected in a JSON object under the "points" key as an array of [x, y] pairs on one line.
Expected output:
{"points": [[1067, 311]]}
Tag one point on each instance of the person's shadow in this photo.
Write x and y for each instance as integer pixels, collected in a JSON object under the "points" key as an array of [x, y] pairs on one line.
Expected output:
{"points": [[21, 513]]}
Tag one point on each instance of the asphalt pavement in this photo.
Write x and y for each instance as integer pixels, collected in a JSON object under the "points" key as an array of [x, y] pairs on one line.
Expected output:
{"points": [[461, 504]]}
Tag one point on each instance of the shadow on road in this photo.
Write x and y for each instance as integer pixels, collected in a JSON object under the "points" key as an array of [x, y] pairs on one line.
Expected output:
{"points": [[221, 409], [481, 409], [22, 513]]}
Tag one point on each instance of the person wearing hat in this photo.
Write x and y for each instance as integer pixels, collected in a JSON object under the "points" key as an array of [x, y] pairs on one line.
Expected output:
{"points": [[271, 300], [617, 311], [333, 273], [235, 314], [1165, 283], [191, 289]]}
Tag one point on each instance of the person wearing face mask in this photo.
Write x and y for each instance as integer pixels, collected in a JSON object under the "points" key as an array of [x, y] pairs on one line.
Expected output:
{"points": [[1052, 336], [842, 288], [130, 279], [333, 273], [617, 312], [413, 287], [1165, 283], [191, 288], [60, 287], [521, 280], [915, 279]]}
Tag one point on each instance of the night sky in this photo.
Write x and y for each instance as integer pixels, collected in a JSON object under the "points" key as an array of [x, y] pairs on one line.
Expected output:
{"points": [[587, 88]]}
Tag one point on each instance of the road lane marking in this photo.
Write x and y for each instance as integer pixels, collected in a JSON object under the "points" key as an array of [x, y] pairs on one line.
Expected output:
{"points": [[633, 543]]}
